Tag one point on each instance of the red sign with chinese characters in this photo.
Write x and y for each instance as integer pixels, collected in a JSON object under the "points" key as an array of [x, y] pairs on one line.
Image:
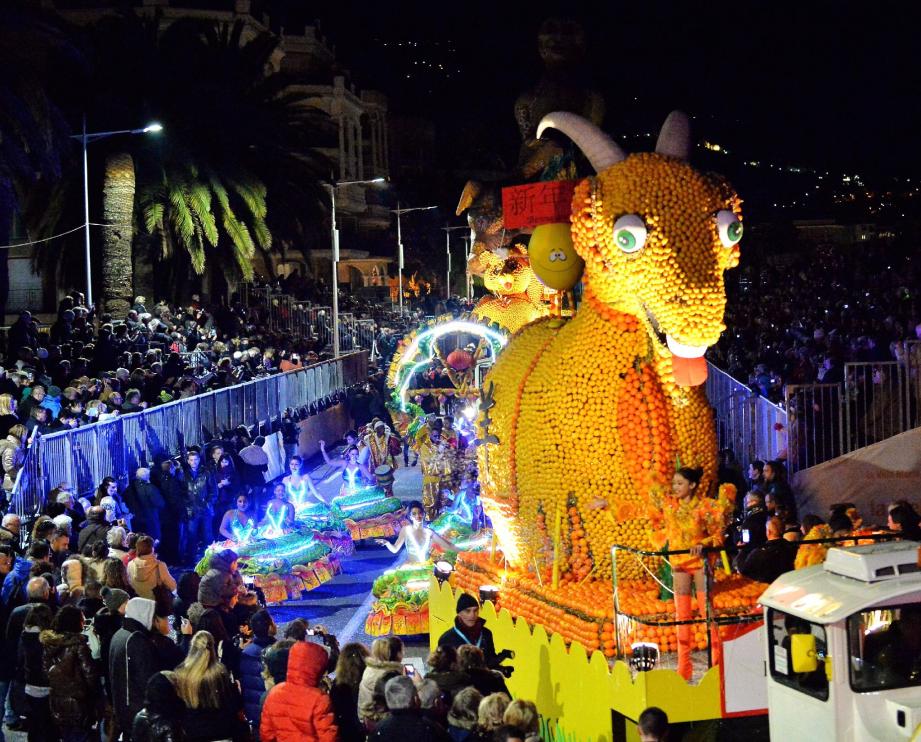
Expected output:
{"points": [[530, 205]]}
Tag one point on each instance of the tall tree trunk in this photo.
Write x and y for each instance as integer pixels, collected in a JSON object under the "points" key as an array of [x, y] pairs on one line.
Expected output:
{"points": [[118, 213]]}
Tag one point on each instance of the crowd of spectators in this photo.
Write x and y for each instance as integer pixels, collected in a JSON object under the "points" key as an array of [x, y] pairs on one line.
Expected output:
{"points": [[765, 534], [105, 640], [797, 318]]}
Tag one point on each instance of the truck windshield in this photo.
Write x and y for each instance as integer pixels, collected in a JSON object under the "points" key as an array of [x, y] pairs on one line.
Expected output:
{"points": [[885, 647], [781, 626]]}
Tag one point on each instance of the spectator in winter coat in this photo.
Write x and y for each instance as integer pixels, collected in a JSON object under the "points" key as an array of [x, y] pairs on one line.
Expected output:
{"points": [[386, 656], [161, 718], [72, 675], [444, 670], [38, 592], [96, 528], [174, 516], [297, 709], [213, 707], [344, 693], [132, 660], [470, 659], [12, 455], [12, 594], [252, 684], [220, 586], [405, 721], [462, 718], [186, 594], [145, 501], [31, 669], [145, 571], [106, 623]]}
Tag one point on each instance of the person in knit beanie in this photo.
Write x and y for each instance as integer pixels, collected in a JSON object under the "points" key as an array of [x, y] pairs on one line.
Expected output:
{"points": [[469, 628]]}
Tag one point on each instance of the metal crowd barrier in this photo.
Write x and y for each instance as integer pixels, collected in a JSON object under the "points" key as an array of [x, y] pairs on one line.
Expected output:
{"points": [[284, 313], [82, 457], [746, 422], [877, 400]]}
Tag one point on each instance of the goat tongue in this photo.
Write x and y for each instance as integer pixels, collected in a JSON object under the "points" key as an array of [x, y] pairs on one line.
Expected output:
{"points": [[689, 371]]}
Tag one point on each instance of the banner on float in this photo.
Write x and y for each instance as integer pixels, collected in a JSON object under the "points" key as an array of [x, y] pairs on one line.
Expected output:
{"points": [[532, 204], [871, 478]]}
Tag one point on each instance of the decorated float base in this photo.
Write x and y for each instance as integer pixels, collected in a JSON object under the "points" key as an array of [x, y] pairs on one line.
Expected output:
{"points": [[368, 513], [402, 601], [285, 567], [566, 638]]}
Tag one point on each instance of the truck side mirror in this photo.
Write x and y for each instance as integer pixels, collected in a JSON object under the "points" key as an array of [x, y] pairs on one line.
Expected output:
{"points": [[802, 653]]}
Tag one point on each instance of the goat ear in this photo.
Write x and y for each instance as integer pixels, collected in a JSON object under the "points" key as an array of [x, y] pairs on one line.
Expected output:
{"points": [[675, 137]]}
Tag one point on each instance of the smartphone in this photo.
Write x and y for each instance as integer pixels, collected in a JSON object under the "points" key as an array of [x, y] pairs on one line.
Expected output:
{"points": [[409, 668], [746, 536]]}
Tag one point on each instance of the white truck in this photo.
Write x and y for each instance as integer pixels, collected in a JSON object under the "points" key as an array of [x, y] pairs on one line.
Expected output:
{"points": [[844, 647]]}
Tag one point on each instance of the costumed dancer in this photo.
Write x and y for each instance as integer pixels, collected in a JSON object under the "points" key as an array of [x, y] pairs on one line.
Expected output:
{"points": [[237, 523], [690, 520], [383, 446], [417, 537], [298, 484], [435, 456], [353, 472], [279, 513]]}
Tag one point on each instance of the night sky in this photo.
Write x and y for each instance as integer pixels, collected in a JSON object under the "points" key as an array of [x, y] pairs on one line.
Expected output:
{"points": [[830, 85]]}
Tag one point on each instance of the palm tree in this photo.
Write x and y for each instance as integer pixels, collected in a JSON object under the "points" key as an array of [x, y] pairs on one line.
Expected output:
{"points": [[188, 205], [118, 213], [252, 148]]}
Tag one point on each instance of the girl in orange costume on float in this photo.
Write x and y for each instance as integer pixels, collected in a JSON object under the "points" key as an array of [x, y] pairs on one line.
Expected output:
{"points": [[690, 520]]}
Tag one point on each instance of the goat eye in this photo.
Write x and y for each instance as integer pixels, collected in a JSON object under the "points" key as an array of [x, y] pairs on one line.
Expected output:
{"points": [[729, 227], [630, 233]]}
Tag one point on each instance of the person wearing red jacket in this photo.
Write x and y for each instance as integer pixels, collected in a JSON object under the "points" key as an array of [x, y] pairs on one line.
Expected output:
{"points": [[297, 710]]}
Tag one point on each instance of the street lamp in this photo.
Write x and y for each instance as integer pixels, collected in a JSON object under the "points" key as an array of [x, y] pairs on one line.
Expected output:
{"points": [[331, 188], [152, 128], [448, 231], [399, 212]]}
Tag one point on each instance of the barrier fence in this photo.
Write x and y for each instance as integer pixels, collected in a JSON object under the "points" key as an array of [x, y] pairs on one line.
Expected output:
{"points": [[877, 399], [749, 424], [116, 448], [284, 313]]}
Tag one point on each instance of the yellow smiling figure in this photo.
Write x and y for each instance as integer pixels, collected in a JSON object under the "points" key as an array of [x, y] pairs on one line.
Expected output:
{"points": [[554, 258]]}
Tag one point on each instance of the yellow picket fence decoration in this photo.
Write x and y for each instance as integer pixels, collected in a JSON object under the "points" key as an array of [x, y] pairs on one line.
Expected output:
{"points": [[575, 693]]}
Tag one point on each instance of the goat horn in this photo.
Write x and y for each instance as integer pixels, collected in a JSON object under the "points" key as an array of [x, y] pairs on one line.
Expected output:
{"points": [[675, 137], [599, 149]]}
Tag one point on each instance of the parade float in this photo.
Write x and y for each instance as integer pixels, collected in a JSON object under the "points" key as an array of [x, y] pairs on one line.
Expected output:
{"points": [[282, 566], [582, 424], [401, 594]]}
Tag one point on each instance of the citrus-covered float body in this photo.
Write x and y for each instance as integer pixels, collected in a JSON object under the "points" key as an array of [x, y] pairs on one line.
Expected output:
{"points": [[583, 423], [517, 296]]}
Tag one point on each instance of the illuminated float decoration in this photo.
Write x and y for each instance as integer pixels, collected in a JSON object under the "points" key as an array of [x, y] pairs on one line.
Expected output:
{"points": [[584, 422], [593, 414]]}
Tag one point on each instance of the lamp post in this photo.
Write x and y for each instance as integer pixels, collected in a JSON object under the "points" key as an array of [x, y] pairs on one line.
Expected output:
{"points": [[399, 212], [85, 138], [448, 231], [469, 279], [334, 234]]}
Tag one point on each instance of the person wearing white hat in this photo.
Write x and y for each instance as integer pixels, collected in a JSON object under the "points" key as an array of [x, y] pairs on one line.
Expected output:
{"points": [[132, 660]]}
